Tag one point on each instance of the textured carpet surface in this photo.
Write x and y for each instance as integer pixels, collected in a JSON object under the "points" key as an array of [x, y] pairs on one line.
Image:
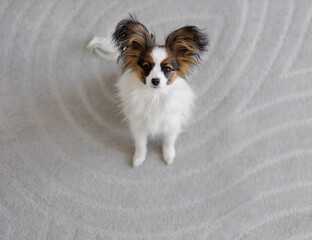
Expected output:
{"points": [[244, 165]]}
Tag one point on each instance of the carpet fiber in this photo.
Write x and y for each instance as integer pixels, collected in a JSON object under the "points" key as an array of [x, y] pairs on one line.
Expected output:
{"points": [[244, 164]]}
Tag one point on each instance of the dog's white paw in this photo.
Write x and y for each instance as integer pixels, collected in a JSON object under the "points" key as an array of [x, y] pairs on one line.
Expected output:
{"points": [[138, 159], [137, 162], [168, 154]]}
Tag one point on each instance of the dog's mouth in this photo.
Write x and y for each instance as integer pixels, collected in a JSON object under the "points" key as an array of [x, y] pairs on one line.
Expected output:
{"points": [[155, 87]]}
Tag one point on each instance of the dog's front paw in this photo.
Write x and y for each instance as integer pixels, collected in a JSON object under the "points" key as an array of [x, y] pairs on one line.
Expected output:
{"points": [[138, 159], [168, 154]]}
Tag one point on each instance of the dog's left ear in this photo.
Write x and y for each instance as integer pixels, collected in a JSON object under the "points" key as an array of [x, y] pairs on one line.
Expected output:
{"points": [[187, 45]]}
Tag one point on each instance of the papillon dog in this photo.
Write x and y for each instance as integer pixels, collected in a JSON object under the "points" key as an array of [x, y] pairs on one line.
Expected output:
{"points": [[155, 98]]}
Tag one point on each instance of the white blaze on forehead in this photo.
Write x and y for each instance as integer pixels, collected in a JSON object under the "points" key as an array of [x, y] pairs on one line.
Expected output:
{"points": [[159, 54]]}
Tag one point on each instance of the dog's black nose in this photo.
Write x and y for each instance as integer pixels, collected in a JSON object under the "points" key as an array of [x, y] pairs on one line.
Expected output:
{"points": [[155, 81]]}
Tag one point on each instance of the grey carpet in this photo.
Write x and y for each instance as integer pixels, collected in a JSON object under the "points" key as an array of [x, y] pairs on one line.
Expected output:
{"points": [[244, 165]]}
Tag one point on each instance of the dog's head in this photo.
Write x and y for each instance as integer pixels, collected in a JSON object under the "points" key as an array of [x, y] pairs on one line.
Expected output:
{"points": [[158, 66]]}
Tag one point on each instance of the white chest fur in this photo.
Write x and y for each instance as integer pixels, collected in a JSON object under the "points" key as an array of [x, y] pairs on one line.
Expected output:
{"points": [[155, 110]]}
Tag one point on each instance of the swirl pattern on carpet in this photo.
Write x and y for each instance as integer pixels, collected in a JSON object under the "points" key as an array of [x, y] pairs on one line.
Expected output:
{"points": [[244, 164]]}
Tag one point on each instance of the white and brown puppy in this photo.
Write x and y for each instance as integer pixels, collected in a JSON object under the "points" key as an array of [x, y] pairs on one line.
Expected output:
{"points": [[155, 98]]}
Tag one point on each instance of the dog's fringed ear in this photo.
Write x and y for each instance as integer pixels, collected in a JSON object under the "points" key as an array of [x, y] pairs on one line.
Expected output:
{"points": [[187, 44], [131, 38]]}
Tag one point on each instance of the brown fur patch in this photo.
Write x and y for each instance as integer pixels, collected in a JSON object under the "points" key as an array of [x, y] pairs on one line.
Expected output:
{"points": [[187, 44], [132, 39], [172, 76], [145, 60], [170, 62]]}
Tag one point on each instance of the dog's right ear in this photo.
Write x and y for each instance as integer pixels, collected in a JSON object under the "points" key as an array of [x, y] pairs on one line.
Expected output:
{"points": [[131, 38], [130, 33]]}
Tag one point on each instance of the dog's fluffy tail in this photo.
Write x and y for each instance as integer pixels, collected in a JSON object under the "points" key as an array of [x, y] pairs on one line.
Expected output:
{"points": [[104, 48]]}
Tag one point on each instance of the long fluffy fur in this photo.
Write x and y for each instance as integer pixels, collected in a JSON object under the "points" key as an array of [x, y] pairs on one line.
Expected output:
{"points": [[131, 38], [155, 110], [187, 44]]}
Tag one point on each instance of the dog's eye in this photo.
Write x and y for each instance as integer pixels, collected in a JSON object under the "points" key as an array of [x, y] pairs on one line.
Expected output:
{"points": [[146, 67], [167, 70]]}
